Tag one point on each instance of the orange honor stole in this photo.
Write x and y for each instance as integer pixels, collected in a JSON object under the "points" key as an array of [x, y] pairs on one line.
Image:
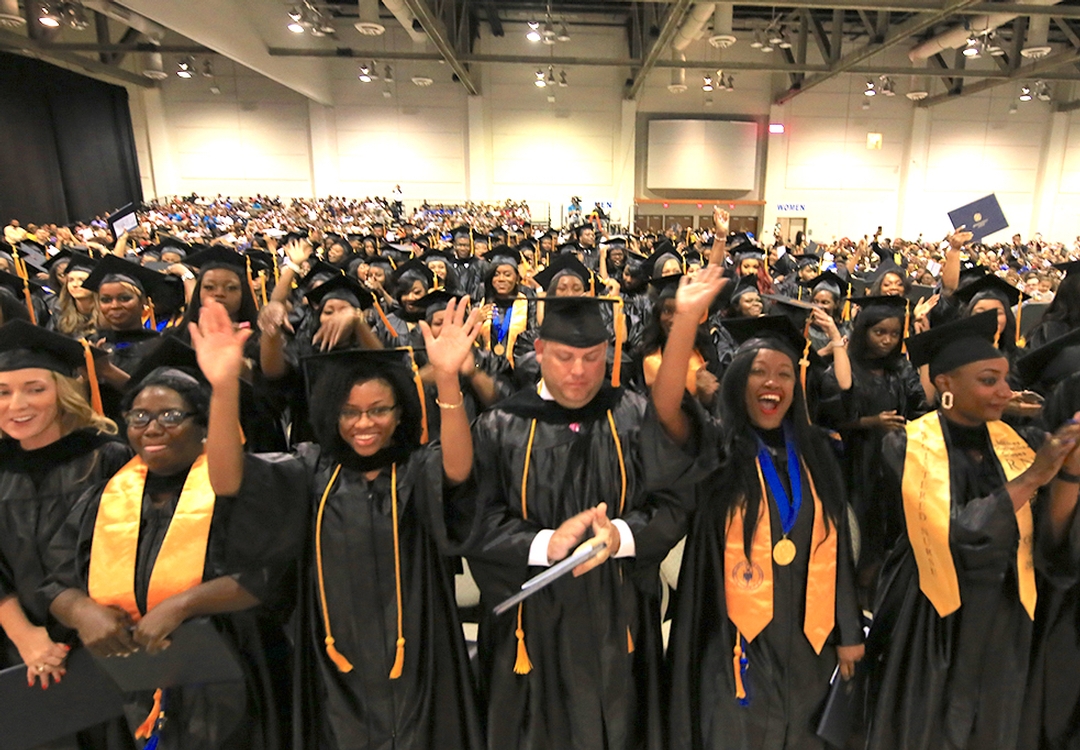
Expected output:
{"points": [[927, 491], [180, 561]]}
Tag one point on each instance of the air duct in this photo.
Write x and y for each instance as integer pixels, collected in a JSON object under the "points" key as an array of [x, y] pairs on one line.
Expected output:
{"points": [[957, 36], [693, 26], [722, 34], [155, 32], [678, 75], [369, 23], [153, 66]]}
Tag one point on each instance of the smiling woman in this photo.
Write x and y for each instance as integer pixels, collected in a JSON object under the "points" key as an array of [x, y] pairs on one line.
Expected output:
{"points": [[53, 444]]}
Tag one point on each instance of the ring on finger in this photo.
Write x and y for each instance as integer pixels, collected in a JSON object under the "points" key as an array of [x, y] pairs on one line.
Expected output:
{"points": [[40, 668]]}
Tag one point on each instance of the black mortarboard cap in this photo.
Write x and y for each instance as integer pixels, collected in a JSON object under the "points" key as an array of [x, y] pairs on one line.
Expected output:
{"points": [[1072, 266], [666, 286], [503, 255], [344, 288], [170, 242], [744, 285], [982, 217], [32, 717], [24, 345], [81, 262], [970, 269], [897, 305], [562, 264], [567, 247], [167, 351], [217, 256], [771, 331], [319, 268], [1052, 362], [794, 309], [574, 321], [654, 264], [197, 655], [261, 260], [418, 267], [16, 285], [829, 280], [805, 259], [435, 301], [61, 255], [990, 285], [952, 345], [112, 268], [887, 265]]}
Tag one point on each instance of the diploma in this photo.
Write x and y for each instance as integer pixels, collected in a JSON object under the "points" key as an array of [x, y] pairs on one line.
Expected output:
{"points": [[556, 571]]}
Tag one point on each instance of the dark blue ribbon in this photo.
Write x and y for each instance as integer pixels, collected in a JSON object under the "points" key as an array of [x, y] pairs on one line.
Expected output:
{"points": [[500, 324], [789, 508]]}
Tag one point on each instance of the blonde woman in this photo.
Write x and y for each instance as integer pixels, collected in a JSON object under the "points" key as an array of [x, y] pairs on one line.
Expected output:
{"points": [[54, 445], [76, 313]]}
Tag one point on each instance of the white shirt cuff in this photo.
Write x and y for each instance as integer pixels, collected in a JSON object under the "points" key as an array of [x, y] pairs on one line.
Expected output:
{"points": [[538, 550], [626, 539]]}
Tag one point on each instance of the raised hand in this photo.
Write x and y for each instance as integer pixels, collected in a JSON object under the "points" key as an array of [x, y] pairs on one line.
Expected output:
{"points": [[696, 294], [721, 222], [298, 251], [274, 318], [959, 238], [218, 345], [449, 350]]}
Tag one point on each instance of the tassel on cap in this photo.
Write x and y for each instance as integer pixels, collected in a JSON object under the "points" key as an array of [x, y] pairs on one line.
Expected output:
{"points": [[386, 321], [420, 394], [147, 727], [629, 641], [29, 301], [91, 375]]}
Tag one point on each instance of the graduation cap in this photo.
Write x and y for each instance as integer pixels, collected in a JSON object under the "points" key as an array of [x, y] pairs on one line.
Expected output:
{"points": [[461, 231], [414, 268], [58, 257], [167, 351], [982, 217], [741, 244], [794, 309], [1045, 367], [31, 717], [1072, 266], [114, 269], [887, 265], [654, 264], [830, 281], [744, 285], [344, 288], [561, 265], [169, 241], [574, 321], [217, 256], [150, 252], [991, 285], [805, 259], [435, 301], [319, 269], [955, 344], [503, 256], [666, 286], [970, 269], [24, 345], [897, 305], [81, 262], [773, 332], [567, 248], [17, 285], [261, 260]]}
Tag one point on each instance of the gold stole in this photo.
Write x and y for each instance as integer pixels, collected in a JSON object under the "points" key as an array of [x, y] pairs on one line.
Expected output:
{"points": [[651, 365], [927, 491], [182, 557], [748, 583], [519, 321]]}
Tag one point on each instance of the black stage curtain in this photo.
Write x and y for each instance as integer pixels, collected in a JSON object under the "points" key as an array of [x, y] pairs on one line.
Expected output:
{"points": [[67, 149]]}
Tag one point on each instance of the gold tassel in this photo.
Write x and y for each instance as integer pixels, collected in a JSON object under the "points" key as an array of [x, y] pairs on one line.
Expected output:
{"points": [[1020, 341], [420, 393], [251, 282], [385, 320], [91, 375], [399, 657], [153, 318], [262, 287], [740, 689], [29, 301], [629, 641], [907, 326], [147, 727], [522, 665], [336, 657]]}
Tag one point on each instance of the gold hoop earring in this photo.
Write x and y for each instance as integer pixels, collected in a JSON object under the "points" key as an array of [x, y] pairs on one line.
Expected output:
{"points": [[947, 400]]}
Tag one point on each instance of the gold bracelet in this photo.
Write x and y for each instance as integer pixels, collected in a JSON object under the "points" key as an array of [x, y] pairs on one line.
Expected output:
{"points": [[458, 405]]}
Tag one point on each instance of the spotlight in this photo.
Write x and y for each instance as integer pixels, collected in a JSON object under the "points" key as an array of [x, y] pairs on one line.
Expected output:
{"points": [[365, 73], [562, 79], [1025, 93], [756, 44], [48, 17], [422, 81], [871, 89], [767, 47], [707, 85], [776, 38], [185, 68], [295, 27], [973, 47], [534, 32], [540, 82], [564, 34], [548, 32]]}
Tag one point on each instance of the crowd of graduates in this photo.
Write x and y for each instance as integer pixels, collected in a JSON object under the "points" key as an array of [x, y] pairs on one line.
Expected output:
{"points": [[292, 420]]}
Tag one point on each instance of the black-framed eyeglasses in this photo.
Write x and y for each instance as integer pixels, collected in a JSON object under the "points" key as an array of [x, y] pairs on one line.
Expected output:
{"points": [[140, 419], [349, 415]]}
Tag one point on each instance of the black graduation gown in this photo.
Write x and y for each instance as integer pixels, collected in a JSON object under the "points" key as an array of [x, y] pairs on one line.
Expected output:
{"points": [[786, 681], [954, 682], [126, 350], [470, 275], [870, 395], [584, 690], [38, 489], [432, 704], [255, 537], [1045, 332]]}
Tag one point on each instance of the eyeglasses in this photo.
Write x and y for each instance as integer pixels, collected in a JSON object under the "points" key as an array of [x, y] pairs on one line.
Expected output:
{"points": [[140, 419], [349, 415]]}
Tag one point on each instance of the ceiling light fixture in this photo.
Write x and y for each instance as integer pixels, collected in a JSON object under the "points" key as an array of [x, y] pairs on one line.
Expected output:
{"points": [[564, 33], [1025, 93], [707, 85], [871, 89], [365, 74], [48, 17], [74, 15], [534, 32], [540, 82], [185, 68]]}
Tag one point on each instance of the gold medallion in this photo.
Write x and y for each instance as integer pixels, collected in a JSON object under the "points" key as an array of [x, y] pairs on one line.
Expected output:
{"points": [[500, 349], [784, 552]]}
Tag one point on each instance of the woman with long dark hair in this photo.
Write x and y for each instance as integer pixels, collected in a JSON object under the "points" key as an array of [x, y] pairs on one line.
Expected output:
{"points": [[984, 509], [409, 283], [884, 394], [766, 610], [380, 659]]}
